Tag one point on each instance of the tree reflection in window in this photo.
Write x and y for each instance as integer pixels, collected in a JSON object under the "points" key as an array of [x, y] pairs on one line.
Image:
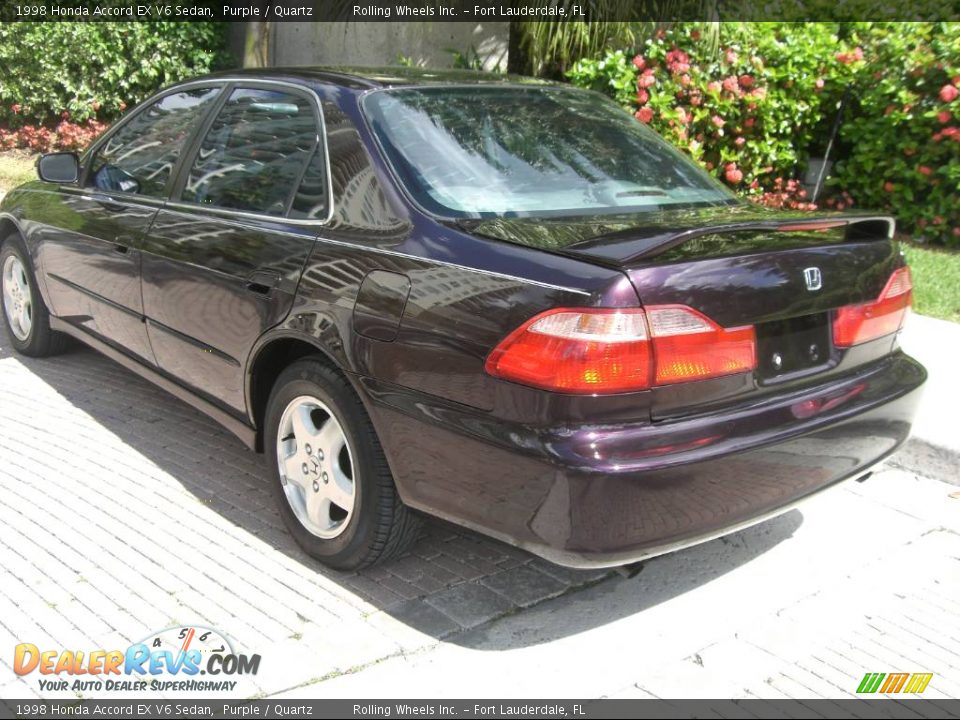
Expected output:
{"points": [[255, 153], [487, 152], [140, 156]]}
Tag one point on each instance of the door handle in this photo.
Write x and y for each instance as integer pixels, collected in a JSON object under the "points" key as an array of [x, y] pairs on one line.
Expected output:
{"points": [[262, 282]]}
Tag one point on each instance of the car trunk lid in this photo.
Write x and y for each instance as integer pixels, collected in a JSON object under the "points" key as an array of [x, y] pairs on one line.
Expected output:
{"points": [[782, 273]]}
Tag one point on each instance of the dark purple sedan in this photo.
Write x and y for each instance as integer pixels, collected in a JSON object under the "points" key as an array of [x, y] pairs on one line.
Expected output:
{"points": [[497, 301]]}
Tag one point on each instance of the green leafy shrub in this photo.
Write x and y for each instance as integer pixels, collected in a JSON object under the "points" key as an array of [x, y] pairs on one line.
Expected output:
{"points": [[754, 111], [901, 136], [94, 70], [749, 112]]}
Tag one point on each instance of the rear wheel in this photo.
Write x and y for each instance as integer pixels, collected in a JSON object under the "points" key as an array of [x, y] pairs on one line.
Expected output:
{"points": [[330, 477], [25, 316]]}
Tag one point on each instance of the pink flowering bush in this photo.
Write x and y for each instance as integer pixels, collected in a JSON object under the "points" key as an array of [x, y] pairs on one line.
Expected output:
{"points": [[753, 112], [901, 137], [64, 135]]}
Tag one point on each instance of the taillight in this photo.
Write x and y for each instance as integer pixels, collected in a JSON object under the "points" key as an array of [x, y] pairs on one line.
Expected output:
{"points": [[855, 324], [605, 350], [690, 346]]}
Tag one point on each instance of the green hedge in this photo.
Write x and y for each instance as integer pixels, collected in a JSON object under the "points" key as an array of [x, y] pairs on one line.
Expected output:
{"points": [[754, 110], [94, 70]]}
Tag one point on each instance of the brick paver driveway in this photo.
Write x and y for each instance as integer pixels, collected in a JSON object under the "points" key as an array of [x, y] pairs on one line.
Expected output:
{"points": [[126, 512]]}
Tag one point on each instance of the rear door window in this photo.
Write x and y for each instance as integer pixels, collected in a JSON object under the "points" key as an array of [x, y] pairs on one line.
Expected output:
{"points": [[256, 153]]}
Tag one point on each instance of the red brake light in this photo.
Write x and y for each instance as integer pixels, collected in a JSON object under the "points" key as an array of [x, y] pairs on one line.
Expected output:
{"points": [[604, 350], [855, 324]]}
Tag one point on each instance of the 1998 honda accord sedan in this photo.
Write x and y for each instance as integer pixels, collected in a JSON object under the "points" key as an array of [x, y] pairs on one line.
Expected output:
{"points": [[498, 301]]}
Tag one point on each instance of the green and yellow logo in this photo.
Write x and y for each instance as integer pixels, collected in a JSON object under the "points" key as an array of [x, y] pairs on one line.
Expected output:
{"points": [[894, 683]]}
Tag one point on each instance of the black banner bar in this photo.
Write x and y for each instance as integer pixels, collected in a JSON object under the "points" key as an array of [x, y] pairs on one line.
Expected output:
{"points": [[473, 11]]}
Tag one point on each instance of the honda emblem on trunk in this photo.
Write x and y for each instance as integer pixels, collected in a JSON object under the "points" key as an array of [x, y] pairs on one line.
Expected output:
{"points": [[813, 278]]}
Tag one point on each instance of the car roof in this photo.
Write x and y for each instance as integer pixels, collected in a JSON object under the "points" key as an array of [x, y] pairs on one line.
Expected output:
{"points": [[366, 78]]}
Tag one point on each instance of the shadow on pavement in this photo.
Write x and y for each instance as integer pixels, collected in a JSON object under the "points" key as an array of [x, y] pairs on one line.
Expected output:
{"points": [[452, 581]]}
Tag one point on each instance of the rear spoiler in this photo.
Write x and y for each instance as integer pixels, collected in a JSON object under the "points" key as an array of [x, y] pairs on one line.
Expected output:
{"points": [[630, 245]]}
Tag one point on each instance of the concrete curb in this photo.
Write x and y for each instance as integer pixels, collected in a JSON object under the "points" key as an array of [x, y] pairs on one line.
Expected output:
{"points": [[925, 458], [934, 448]]}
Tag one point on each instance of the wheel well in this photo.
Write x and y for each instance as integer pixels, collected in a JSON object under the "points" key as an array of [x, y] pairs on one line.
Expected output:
{"points": [[270, 362], [7, 228]]}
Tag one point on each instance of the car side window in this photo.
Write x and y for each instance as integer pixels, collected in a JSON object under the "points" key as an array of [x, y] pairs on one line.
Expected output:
{"points": [[139, 158], [256, 154]]}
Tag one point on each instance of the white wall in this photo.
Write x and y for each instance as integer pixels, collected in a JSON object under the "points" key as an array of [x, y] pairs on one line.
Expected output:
{"points": [[381, 43]]}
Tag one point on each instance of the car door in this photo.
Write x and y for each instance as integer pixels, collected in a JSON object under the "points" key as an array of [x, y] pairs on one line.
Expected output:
{"points": [[93, 260], [222, 260]]}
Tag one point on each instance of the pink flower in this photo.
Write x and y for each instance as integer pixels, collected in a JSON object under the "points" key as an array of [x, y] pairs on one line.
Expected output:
{"points": [[639, 62], [695, 100], [718, 121], [925, 170], [694, 34], [684, 117], [937, 220], [731, 85], [956, 232], [943, 116], [749, 122], [644, 115], [888, 186], [739, 142], [642, 97], [850, 57], [733, 174], [685, 80], [647, 79], [948, 93], [819, 84], [746, 81], [714, 86], [677, 61], [16, 108], [730, 56]]}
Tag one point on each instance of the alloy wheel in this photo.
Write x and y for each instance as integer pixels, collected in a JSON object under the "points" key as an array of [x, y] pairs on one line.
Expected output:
{"points": [[17, 300], [316, 467]]}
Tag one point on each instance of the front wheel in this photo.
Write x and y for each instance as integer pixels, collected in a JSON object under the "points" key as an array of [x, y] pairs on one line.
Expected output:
{"points": [[329, 474], [25, 315]]}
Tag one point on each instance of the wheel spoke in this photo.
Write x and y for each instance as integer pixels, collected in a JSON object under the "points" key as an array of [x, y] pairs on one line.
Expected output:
{"points": [[303, 428], [318, 510], [21, 279], [330, 438], [340, 488], [293, 470]]}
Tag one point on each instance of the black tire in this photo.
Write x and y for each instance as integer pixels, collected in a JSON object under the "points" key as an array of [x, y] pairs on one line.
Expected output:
{"points": [[380, 526], [41, 341]]}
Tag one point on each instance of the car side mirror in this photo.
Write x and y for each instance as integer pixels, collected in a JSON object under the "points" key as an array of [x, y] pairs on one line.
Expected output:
{"points": [[59, 167]]}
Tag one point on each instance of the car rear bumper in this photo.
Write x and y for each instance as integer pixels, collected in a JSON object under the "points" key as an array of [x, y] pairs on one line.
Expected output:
{"points": [[598, 496]]}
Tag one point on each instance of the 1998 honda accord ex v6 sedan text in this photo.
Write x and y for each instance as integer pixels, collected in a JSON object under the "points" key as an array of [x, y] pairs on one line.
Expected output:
{"points": [[498, 301]]}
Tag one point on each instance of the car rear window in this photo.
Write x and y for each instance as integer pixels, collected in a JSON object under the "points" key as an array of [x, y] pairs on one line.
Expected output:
{"points": [[504, 151]]}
